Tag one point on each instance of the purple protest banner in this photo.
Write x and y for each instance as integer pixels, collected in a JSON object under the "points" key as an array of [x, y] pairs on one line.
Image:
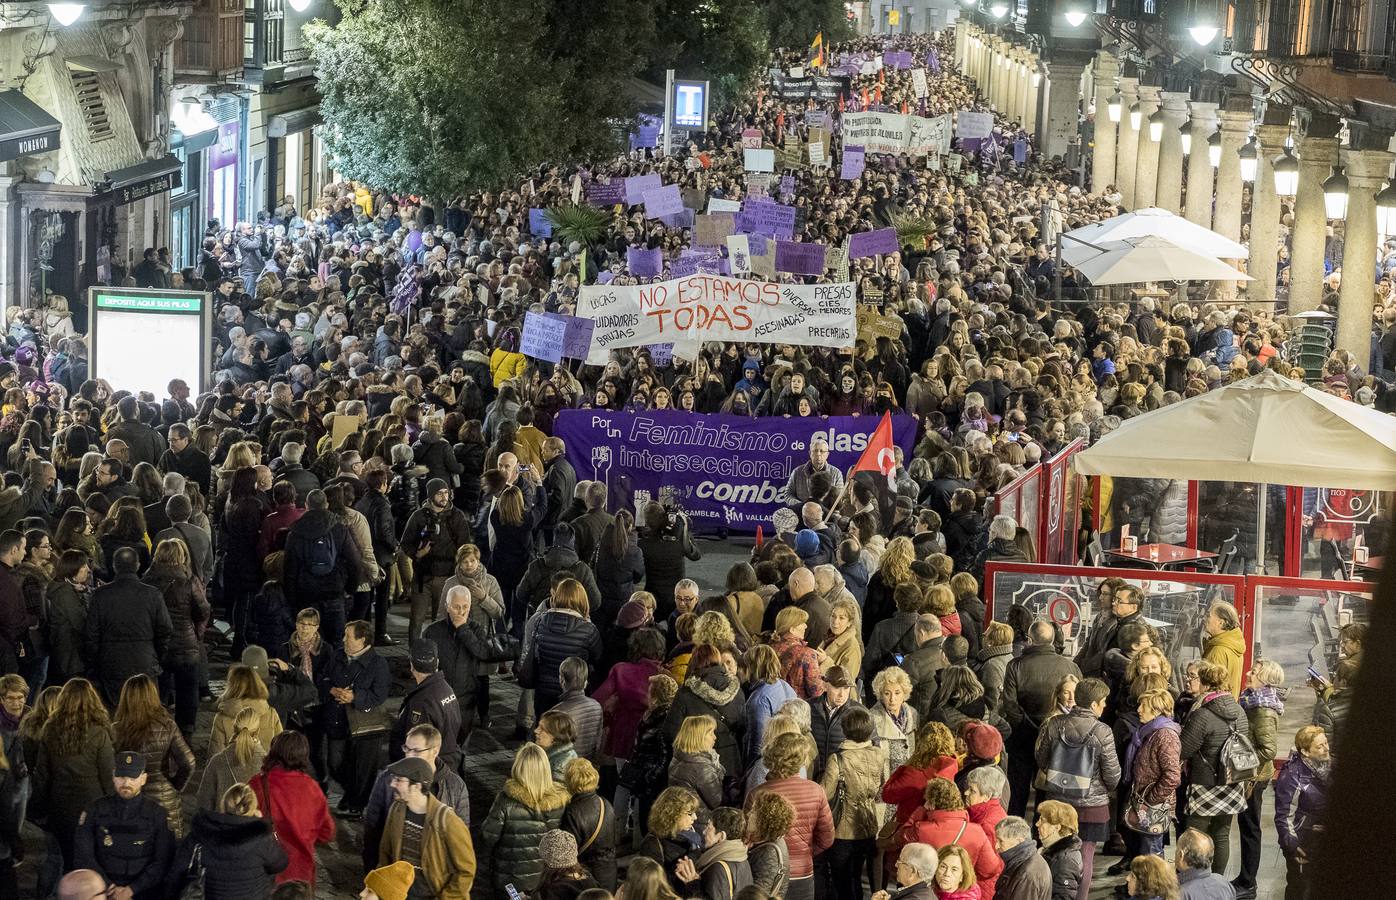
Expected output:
{"points": [[766, 217], [799, 259], [599, 194], [542, 337], [539, 225], [722, 471], [871, 243], [644, 263], [576, 342], [636, 187], [663, 201], [855, 160]]}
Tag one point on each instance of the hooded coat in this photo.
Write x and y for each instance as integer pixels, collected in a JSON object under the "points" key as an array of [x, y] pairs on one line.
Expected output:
{"points": [[1228, 648], [536, 583], [712, 692], [240, 855]]}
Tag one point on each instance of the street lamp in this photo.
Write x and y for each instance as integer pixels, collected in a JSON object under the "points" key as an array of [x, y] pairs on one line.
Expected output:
{"points": [[1287, 174], [1214, 149], [1203, 34], [1075, 17], [1249, 158], [1186, 137], [66, 14], [1386, 211], [299, 5], [1136, 116], [1113, 106], [999, 10], [1335, 195], [1156, 126]]}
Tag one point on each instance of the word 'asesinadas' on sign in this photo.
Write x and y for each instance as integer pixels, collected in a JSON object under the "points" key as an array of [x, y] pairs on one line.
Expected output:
{"points": [[716, 308]]}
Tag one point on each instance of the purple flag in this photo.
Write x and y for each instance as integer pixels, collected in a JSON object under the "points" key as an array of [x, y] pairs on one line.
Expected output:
{"points": [[644, 263], [799, 259], [539, 225], [933, 60], [871, 243], [663, 201], [766, 217], [681, 219], [854, 162], [669, 451]]}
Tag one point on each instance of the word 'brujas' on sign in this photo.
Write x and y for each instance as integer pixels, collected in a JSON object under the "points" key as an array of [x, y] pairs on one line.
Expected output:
{"points": [[713, 307]]}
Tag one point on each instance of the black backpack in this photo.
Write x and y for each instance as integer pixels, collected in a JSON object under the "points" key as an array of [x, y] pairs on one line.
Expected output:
{"points": [[321, 555]]}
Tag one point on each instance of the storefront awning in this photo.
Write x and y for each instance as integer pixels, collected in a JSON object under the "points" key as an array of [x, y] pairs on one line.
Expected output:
{"points": [[279, 126], [145, 179], [24, 127]]}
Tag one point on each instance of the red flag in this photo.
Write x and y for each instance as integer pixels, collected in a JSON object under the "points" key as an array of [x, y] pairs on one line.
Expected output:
{"points": [[879, 455], [904, 107], [865, 97], [878, 94], [760, 538]]}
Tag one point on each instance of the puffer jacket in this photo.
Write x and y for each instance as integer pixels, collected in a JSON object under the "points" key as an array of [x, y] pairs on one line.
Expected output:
{"points": [[812, 831], [1156, 769], [770, 866], [537, 582], [863, 768], [1301, 797], [1228, 649], [1331, 714], [189, 610], [943, 827], [551, 637], [432, 452], [712, 692], [512, 832], [1064, 860], [269, 725], [592, 821], [240, 855], [169, 764], [1204, 731], [699, 772], [1077, 726], [1263, 710], [504, 365]]}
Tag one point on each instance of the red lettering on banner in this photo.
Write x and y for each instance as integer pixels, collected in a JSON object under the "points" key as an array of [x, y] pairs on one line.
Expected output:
{"points": [[653, 295]]}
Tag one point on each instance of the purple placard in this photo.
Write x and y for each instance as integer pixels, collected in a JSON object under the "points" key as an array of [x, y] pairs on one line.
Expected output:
{"points": [[224, 151], [787, 185], [855, 160], [539, 225], [635, 188], [683, 267], [1020, 151], [681, 219], [662, 201], [576, 343], [871, 243], [542, 337], [662, 355], [766, 217], [644, 263], [799, 259], [677, 452], [933, 61], [599, 194]]}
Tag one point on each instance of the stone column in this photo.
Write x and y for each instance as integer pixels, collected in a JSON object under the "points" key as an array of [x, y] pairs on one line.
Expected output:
{"points": [[961, 40], [1127, 145], [1062, 93], [1265, 214], [1028, 99], [1366, 171], [1015, 96], [9, 243], [1169, 194], [1318, 153], [1107, 68], [1235, 129], [1200, 174], [1146, 159]]}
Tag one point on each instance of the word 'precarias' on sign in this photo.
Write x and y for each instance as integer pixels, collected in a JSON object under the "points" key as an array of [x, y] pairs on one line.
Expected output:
{"points": [[716, 308]]}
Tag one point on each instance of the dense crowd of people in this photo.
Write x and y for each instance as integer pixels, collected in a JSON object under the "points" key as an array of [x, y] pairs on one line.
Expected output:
{"points": [[840, 719]]}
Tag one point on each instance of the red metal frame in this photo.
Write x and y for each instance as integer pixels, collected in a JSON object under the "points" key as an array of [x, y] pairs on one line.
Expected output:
{"points": [[1294, 531], [993, 568], [1059, 546], [1193, 494]]}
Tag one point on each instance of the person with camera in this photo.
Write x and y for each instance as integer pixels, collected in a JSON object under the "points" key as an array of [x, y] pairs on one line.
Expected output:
{"points": [[431, 538], [252, 248], [666, 544]]}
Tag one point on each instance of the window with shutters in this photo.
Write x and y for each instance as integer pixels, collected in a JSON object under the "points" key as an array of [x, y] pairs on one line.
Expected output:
{"points": [[94, 109]]}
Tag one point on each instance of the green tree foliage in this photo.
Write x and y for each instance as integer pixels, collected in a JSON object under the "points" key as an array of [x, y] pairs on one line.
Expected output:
{"points": [[723, 41], [794, 23], [444, 96]]}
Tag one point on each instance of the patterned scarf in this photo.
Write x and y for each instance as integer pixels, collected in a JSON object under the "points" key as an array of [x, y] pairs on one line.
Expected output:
{"points": [[1264, 697]]}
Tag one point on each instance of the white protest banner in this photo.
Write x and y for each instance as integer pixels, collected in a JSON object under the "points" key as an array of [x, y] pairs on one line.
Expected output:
{"points": [[759, 160], [816, 154], [970, 125], [918, 81], [739, 253], [868, 68], [706, 307], [717, 205], [925, 136]]}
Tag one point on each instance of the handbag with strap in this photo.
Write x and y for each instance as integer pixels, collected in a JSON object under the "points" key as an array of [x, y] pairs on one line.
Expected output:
{"points": [[501, 646], [1145, 817], [596, 832], [367, 723], [840, 793]]}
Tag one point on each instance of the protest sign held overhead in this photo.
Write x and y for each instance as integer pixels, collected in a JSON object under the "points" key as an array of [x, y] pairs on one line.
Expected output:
{"points": [[542, 337]]}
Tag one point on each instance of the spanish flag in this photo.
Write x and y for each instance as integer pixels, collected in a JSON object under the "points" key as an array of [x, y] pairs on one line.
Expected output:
{"points": [[816, 52]]}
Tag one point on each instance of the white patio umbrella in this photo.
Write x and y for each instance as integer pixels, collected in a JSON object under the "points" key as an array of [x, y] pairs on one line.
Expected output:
{"points": [[1145, 222], [1139, 259]]}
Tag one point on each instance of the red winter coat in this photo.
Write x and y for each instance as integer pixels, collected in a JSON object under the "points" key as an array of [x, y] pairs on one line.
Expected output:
{"points": [[623, 697], [987, 815], [907, 786], [812, 832], [298, 811], [944, 827], [951, 624]]}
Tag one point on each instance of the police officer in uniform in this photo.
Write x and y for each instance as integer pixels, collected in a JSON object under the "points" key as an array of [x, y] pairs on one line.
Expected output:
{"points": [[429, 701], [126, 836]]}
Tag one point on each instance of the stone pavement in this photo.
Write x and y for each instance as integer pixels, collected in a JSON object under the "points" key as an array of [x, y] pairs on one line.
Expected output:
{"points": [[490, 754]]}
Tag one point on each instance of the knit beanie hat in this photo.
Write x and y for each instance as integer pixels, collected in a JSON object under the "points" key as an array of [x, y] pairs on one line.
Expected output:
{"points": [[391, 882], [558, 849]]}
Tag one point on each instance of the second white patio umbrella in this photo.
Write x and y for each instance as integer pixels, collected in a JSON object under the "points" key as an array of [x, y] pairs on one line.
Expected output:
{"points": [[1150, 221], [1151, 258]]}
